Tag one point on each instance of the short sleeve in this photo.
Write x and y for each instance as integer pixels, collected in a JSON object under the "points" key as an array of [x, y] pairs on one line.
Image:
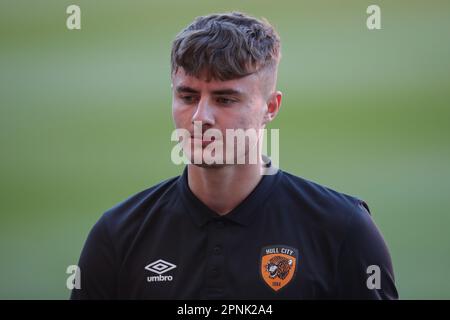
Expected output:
{"points": [[364, 267], [97, 266]]}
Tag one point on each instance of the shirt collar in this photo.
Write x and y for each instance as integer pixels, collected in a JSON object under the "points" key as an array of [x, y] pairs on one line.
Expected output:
{"points": [[243, 214]]}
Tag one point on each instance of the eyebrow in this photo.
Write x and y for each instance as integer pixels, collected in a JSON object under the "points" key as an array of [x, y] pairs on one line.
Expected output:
{"points": [[186, 89], [181, 89]]}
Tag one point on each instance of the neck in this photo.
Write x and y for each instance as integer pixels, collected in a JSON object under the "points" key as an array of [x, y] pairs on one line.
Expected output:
{"points": [[223, 188]]}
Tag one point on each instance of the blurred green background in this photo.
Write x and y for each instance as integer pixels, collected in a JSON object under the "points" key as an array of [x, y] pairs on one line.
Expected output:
{"points": [[85, 121]]}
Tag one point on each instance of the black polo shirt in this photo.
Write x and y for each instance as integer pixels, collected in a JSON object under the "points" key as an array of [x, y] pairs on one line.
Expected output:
{"points": [[290, 238]]}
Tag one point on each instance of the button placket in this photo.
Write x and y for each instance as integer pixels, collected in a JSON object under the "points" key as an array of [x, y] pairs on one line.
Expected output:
{"points": [[215, 274]]}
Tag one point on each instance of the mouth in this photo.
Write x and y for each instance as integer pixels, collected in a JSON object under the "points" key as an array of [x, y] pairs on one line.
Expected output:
{"points": [[202, 141]]}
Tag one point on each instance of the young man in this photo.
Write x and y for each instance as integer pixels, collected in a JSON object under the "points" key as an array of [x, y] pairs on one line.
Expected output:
{"points": [[227, 229]]}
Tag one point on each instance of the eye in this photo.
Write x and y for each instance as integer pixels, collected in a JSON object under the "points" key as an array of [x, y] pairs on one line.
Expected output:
{"points": [[188, 99], [225, 101]]}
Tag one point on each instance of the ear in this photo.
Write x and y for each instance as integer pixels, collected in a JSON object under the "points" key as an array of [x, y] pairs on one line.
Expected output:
{"points": [[273, 106]]}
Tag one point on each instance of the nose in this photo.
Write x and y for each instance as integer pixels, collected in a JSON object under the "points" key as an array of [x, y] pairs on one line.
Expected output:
{"points": [[204, 113]]}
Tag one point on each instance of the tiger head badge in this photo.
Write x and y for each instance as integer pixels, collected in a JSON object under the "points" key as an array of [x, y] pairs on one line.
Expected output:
{"points": [[278, 265]]}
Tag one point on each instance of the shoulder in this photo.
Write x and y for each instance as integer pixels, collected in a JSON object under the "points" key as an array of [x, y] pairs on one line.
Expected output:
{"points": [[130, 212], [328, 208]]}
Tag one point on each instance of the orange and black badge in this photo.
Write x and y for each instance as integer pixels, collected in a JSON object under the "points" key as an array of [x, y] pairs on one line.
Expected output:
{"points": [[278, 265]]}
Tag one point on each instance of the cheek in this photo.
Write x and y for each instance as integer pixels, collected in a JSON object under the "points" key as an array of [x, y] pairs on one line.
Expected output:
{"points": [[179, 115], [251, 116]]}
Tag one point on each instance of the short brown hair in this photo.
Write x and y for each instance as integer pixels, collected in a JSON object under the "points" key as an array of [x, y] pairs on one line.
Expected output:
{"points": [[225, 46]]}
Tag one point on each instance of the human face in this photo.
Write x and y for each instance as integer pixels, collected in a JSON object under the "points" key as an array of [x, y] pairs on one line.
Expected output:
{"points": [[220, 105]]}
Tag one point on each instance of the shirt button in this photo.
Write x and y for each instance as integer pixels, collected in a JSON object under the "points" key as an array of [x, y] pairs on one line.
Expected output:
{"points": [[220, 224], [217, 249], [215, 272]]}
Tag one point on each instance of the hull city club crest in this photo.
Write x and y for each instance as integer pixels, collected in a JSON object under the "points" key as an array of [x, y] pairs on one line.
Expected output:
{"points": [[278, 265]]}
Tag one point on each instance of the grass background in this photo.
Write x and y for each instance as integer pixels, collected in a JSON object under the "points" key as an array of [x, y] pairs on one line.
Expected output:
{"points": [[85, 121]]}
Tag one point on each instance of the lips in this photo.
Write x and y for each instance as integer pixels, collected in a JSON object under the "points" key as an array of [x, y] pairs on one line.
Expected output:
{"points": [[203, 142]]}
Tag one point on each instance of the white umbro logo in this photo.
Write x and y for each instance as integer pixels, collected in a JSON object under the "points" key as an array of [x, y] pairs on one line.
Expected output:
{"points": [[159, 267]]}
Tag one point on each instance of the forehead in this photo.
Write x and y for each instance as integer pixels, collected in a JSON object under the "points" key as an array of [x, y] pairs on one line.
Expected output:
{"points": [[245, 84]]}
